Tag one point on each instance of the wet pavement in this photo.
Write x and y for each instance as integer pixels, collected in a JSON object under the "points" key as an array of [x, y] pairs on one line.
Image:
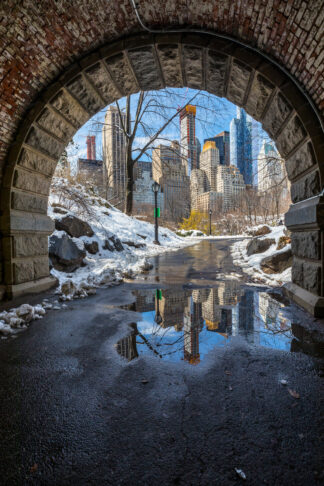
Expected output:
{"points": [[178, 377]]}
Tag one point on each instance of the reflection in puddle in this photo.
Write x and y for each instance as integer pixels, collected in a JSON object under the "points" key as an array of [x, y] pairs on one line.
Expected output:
{"points": [[186, 324]]}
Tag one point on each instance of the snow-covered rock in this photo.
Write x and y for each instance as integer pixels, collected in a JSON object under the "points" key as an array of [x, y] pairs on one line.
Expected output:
{"points": [[251, 264], [259, 245], [277, 262], [91, 247]]}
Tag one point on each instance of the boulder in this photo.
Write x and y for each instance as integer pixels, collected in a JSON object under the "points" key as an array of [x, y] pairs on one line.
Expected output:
{"points": [[278, 262], [264, 230], [92, 247], [59, 210], [146, 267], [259, 246], [135, 245], [108, 245], [73, 226], [68, 288], [117, 243], [65, 255], [113, 243], [283, 241]]}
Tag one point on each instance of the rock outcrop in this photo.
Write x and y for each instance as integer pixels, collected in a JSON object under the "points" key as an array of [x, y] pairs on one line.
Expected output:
{"points": [[113, 243], [278, 262], [259, 246], [65, 255], [92, 247], [74, 226], [264, 230]]}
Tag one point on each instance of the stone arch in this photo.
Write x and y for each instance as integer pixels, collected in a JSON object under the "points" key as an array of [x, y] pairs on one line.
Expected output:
{"points": [[144, 62]]}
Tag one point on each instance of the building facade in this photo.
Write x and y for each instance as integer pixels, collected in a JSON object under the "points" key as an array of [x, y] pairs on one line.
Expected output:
{"points": [[222, 142], [143, 196], [241, 145], [209, 162], [169, 171], [188, 140], [197, 186], [140, 167], [90, 170], [230, 184], [222, 186], [114, 155]]}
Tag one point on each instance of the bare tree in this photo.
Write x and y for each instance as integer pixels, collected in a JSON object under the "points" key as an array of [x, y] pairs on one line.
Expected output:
{"points": [[149, 116], [148, 104]]}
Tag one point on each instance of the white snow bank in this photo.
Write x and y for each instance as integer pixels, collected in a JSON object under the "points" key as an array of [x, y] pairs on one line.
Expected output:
{"points": [[17, 319], [109, 267], [251, 264]]}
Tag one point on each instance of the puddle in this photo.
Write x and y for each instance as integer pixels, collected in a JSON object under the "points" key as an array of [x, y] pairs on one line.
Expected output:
{"points": [[184, 325]]}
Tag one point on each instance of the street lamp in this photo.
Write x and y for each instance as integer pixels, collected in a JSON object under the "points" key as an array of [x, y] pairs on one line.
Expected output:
{"points": [[210, 213], [155, 189]]}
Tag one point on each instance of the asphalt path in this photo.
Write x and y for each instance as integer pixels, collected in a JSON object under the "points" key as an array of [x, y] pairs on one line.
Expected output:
{"points": [[74, 412]]}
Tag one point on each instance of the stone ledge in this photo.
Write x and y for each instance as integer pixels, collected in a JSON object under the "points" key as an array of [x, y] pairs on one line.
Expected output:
{"points": [[310, 302], [36, 286], [307, 214]]}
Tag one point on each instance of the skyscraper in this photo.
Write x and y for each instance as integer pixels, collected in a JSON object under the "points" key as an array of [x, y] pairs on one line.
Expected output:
{"points": [[241, 145], [188, 140], [197, 186], [222, 142], [91, 147], [222, 186], [114, 155], [209, 161], [170, 173], [271, 169]]}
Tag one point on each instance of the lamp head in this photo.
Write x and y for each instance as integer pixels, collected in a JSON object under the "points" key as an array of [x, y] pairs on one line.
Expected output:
{"points": [[155, 187]]}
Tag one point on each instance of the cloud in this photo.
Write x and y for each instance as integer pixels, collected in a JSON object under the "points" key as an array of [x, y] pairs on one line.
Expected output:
{"points": [[140, 142]]}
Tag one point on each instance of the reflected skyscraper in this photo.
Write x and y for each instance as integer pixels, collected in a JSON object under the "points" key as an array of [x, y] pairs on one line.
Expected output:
{"points": [[171, 307], [246, 315], [192, 325], [126, 347], [144, 300]]}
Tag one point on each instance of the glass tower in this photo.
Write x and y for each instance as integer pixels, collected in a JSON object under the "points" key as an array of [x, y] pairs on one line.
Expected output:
{"points": [[241, 145]]}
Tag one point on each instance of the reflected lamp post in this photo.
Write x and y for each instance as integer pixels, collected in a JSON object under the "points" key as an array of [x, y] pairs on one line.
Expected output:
{"points": [[158, 296], [155, 189], [210, 213]]}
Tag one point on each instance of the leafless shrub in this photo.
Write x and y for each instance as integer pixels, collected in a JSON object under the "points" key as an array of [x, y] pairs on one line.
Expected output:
{"points": [[71, 196]]}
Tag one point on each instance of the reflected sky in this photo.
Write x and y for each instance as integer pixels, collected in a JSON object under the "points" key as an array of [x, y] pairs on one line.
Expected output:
{"points": [[184, 325]]}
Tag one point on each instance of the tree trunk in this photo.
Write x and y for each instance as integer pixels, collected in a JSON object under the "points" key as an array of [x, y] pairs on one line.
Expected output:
{"points": [[129, 196], [129, 182]]}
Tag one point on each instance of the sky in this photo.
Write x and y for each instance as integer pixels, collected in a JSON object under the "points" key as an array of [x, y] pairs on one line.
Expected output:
{"points": [[213, 115]]}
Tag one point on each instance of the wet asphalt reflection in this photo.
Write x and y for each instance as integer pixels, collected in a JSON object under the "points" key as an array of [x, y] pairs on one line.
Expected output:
{"points": [[184, 320], [179, 377]]}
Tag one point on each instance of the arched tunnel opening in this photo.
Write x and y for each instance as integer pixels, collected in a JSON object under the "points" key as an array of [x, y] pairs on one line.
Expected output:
{"points": [[199, 62], [188, 373]]}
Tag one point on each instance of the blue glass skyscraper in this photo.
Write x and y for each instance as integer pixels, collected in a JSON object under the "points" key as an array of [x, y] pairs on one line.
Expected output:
{"points": [[241, 145]]}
